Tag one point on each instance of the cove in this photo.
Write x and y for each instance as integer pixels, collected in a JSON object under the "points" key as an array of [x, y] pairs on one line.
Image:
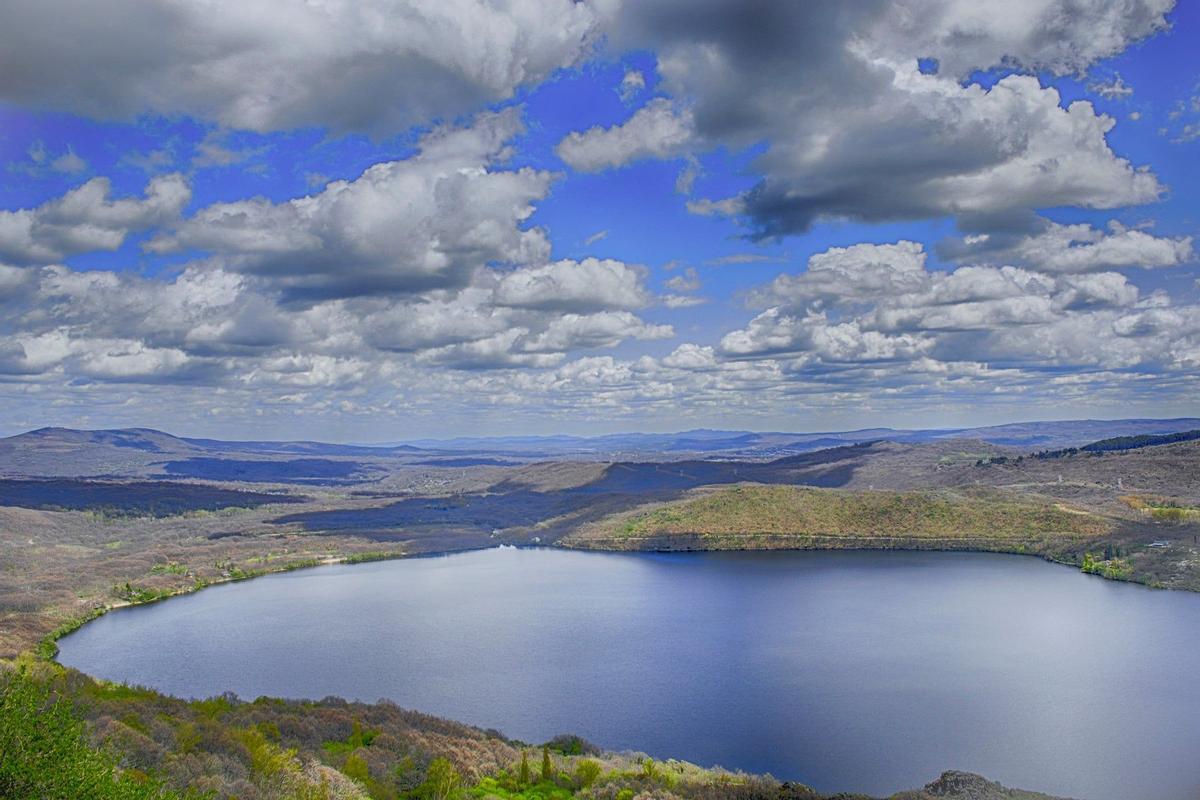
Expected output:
{"points": [[868, 672]]}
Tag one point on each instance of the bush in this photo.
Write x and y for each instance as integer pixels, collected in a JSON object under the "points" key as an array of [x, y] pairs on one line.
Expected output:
{"points": [[47, 756], [586, 772]]}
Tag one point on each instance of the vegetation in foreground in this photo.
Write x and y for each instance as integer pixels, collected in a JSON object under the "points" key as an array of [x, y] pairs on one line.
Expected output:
{"points": [[67, 736]]}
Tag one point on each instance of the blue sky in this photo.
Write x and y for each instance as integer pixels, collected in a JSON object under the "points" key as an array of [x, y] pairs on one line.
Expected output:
{"points": [[592, 217]]}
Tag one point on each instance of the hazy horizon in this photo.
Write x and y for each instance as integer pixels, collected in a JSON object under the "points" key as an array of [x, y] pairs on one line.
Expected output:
{"points": [[384, 442]]}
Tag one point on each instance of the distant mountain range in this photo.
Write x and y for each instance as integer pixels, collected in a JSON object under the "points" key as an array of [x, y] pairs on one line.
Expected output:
{"points": [[144, 452], [1068, 433]]}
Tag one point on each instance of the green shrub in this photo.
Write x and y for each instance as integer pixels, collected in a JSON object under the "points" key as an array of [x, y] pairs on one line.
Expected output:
{"points": [[47, 756], [586, 772]]}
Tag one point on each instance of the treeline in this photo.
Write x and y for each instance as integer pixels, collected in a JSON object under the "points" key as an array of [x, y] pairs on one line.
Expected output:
{"points": [[1144, 440], [1119, 443]]}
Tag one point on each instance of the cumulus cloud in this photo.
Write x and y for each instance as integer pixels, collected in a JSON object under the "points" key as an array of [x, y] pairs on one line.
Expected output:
{"points": [[378, 66], [215, 323], [423, 223], [656, 130], [589, 285], [587, 331], [87, 219], [872, 303], [853, 128], [421, 286], [1072, 248], [1061, 36]]}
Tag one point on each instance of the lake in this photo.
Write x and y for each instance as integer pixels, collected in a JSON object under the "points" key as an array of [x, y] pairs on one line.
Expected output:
{"points": [[869, 672]]}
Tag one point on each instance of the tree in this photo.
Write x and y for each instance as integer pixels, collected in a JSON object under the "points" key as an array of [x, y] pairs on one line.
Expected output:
{"points": [[523, 774], [547, 765], [356, 768], [441, 781]]}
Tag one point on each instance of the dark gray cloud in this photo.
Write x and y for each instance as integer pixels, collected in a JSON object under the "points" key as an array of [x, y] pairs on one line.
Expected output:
{"points": [[377, 66], [852, 128]]}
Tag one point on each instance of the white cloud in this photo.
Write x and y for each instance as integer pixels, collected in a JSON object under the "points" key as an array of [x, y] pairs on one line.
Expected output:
{"points": [[1114, 89], [687, 281], [1062, 36], [86, 219], [656, 130], [585, 331], [589, 285], [632, 83], [683, 300], [877, 303], [1073, 248], [69, 163], [424, 223]]}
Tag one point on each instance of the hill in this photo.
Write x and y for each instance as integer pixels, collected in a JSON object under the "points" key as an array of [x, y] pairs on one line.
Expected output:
{"points": [[792, 517], [145, 453]]}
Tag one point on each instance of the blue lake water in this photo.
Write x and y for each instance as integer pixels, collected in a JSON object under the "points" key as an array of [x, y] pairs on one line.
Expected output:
{"points": [[869, 672]]}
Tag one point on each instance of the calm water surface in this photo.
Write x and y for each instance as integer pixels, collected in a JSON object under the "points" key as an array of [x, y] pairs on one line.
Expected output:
{"points": [[850, 671]]}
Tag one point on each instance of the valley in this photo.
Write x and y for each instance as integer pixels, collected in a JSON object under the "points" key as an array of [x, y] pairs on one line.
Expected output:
{"points": [[91, 521]]}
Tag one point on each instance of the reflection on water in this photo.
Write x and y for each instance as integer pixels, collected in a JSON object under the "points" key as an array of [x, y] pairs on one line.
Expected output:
{"points": [[849, 671]]}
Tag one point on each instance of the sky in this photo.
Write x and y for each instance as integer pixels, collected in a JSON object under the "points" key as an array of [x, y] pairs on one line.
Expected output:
{"points": [[376, 220]]}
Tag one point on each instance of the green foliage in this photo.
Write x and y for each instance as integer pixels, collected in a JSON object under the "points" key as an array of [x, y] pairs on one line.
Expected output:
{"points": [[496, 787], [586, 772], [547, 765], [523, 774], [1116, 569], [187, 737], [570, 745], [356, 768], [136, 595], [442, 781], [373, 555], [47, 648], [46, 755], [214, 707], [358, 738]]}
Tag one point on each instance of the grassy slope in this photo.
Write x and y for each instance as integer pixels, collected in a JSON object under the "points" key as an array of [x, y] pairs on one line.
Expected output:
{"points": [[752, 514], [754, 517], [333, 750]]}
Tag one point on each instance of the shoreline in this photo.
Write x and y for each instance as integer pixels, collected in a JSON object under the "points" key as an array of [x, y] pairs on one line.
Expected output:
{"points": [[47, 648], [350, 560]]}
